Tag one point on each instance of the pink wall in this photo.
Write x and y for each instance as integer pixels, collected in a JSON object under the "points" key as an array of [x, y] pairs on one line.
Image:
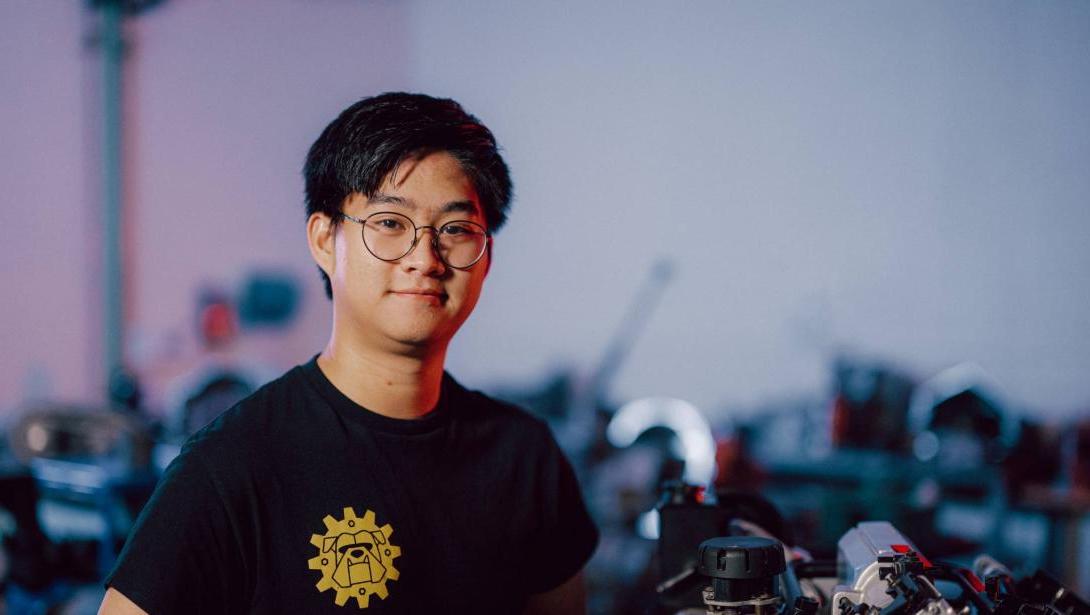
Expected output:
{"points": [[220, 107], [905, 181], [48, 253]]}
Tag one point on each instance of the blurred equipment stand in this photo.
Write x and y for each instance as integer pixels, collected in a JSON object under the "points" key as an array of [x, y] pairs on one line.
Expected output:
{"points": [[619, 482], [109, 39], [580, 431]]}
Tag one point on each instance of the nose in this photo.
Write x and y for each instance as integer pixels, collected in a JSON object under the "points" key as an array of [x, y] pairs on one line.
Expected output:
{"points": [[424, 255]]}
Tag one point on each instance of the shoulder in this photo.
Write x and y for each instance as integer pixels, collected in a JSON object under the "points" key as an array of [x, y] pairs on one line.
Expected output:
{"points": [[476, 406], [509, 430], [249, 425]]}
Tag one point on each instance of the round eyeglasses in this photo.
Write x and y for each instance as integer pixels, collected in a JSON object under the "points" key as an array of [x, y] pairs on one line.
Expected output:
{"points": [[389, 236]]}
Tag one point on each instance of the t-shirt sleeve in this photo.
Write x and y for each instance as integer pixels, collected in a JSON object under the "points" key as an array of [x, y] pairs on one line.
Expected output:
{"points": [[567, 536], [181, 556]]}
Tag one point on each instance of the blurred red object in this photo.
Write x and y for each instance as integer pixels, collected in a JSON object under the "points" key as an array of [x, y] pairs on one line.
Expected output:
{"points": [[735, 467], [218, 324]]}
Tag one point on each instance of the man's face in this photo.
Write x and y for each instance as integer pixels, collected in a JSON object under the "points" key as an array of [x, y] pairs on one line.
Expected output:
{"points": [[416, 302]]}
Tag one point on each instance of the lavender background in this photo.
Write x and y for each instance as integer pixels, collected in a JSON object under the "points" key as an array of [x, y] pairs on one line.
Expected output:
{"points": [[898, 180]]}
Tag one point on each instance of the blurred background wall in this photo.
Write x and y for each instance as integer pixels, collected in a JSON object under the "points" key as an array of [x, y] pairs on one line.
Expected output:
{"points": [[905, 180], [792, 215]]}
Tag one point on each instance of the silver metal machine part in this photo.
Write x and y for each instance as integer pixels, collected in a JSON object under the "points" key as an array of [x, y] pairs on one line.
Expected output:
{"points": [[857, 559]]}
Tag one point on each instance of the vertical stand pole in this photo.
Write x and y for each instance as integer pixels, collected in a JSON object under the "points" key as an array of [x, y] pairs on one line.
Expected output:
{"points": [[113, 285]]}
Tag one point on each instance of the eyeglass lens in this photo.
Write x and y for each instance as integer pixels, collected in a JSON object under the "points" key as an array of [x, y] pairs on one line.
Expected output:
{"points": [[390, 236]]}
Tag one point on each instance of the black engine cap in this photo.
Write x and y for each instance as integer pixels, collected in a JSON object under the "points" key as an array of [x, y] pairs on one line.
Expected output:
{"points": [[741, 557]]}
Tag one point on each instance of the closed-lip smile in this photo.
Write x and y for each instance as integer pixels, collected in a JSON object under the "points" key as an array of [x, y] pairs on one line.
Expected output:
{"points": [[425, 292]]}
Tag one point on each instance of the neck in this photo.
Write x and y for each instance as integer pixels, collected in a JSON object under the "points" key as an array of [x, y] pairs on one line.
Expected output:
{"points": [[394, 385]]}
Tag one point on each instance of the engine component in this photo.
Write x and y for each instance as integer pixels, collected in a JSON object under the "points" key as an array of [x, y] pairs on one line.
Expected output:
{"points": [[862, 554], [688, 518], [743, 572], [878, 571]]}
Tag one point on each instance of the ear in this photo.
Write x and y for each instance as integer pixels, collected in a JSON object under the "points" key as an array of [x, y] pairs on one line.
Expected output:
{"points": [[488, 256], [321, 233]]}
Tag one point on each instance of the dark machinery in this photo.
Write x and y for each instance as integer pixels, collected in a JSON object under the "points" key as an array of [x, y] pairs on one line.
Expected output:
{"points": [[746, 570]]}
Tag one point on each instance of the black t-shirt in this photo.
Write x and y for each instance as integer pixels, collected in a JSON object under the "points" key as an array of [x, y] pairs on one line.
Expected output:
{"points": [[297, 500]]}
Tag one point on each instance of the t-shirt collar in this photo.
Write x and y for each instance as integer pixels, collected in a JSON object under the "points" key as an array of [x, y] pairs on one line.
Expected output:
{"points": [[351, 411]]}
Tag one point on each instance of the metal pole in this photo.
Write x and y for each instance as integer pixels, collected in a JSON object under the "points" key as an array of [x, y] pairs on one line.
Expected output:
{"points": [[113, 287]]}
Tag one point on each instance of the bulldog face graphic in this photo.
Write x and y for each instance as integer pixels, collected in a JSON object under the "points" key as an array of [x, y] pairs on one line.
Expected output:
{"points": [[355, 558], [359, 558]]}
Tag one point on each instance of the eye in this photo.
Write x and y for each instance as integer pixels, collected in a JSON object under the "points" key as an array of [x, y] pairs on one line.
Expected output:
{"points": [[388, 223], [460, 228]]}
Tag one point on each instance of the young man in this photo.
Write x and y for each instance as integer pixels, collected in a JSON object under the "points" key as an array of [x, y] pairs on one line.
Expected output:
{"points": [[368, 478]]}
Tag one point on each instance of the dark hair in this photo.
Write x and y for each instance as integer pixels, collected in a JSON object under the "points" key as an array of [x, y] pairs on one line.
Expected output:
{"points": [[368, 140]]}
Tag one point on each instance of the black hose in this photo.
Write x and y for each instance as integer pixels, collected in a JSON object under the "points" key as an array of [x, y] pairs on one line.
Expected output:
{"points": [[815, 568], [949, 572]]}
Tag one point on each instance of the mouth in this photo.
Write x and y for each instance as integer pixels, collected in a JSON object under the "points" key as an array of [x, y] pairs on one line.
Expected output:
{"points": [[421, 294]]}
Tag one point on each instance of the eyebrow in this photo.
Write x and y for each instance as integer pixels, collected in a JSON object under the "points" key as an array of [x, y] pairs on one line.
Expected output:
{"points": [[379, 198]]}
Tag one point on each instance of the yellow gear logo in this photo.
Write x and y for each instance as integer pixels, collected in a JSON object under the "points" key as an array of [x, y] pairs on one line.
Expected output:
{"points": [[355, 556]]}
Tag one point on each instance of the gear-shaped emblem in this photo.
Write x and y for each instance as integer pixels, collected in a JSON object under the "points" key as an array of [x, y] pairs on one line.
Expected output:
{"points": [[355, 557]]}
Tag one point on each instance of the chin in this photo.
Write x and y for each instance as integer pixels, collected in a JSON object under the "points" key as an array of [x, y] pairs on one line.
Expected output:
{"points": [[418, 337], [418, 329]]}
